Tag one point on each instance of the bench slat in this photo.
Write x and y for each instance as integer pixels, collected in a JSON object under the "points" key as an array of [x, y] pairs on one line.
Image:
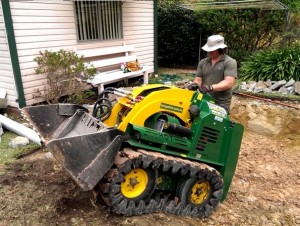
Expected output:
{"points": [[113, 61], [112, 76], [105, 51]]}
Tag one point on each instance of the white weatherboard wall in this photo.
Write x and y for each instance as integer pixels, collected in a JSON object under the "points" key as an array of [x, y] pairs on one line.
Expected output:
{"points": [[7, 81], [41, 25], [138, 25]]}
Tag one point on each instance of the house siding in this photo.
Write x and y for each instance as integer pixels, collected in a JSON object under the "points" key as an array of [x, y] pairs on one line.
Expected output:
{"points": [[138, 25], [41, 25], [7, 81]]}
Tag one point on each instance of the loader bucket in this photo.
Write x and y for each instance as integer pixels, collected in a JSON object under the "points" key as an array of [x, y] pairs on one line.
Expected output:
{"points": [[83, 145]]}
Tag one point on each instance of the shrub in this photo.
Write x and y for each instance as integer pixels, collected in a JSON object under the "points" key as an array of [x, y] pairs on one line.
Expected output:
{"points": [[274, 64], [245, 30], [178, 36], [65, 72]]}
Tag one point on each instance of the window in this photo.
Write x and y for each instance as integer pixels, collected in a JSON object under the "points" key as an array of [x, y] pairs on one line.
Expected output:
{"points": [[98, 20]]}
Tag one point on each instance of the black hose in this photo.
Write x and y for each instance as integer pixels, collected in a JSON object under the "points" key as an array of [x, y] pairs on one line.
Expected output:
{"points": [[102, 106], [105, 93], [103, 96], [103, 114]]}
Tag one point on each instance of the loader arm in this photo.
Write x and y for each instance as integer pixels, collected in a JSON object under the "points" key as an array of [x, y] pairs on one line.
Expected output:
{"points": [[173, 101]]}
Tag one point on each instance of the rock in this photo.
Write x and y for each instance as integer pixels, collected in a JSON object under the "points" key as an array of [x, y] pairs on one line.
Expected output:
{"points": [[277, 84], [243, 86], [268, 83], [290, 83], [259, 87], [251, 86], [290, 89], [267, 90], [283, 91], [19, 142], [297, 87]]}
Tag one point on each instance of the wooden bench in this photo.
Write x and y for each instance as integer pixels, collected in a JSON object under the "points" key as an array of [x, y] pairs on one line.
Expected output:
{"points": [[104, 58]]}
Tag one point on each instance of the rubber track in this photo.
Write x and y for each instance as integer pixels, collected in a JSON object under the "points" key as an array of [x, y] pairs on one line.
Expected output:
{"points": [[109, 186]]}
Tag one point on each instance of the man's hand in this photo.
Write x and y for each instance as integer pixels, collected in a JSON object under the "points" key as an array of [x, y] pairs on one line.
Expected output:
{"points": [[193, 86], [205, 88]]}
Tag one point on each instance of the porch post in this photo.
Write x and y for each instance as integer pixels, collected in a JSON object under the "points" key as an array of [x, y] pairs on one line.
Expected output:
{"points": [[155, 37], [13, 52]]}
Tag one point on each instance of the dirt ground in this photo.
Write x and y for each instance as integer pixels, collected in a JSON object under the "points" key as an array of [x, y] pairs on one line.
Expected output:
{"points": [[265, 189]]}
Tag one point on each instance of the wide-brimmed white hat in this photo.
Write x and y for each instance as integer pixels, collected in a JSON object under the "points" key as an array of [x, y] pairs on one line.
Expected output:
{"points": [[214, 42]]}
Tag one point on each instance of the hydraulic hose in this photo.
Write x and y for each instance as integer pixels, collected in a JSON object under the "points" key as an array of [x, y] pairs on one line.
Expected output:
{"points": [[104, 107]]}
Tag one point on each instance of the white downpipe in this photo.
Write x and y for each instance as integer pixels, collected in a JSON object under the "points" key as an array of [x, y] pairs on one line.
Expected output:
{"points": [[20, 129]]}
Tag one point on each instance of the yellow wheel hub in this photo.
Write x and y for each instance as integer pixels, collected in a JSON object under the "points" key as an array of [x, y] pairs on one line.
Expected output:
{"points": [[135, 183], [200, 192]]}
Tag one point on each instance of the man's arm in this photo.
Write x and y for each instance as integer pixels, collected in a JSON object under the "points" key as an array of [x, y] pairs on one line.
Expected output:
{"points": [[198, 80], [225, 84]]}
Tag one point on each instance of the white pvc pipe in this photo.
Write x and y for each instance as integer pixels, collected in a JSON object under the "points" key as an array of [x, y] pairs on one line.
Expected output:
{"points": [[20, 129]]}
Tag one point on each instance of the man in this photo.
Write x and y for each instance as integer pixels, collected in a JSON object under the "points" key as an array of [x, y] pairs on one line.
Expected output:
{"points": [[216, 74]]}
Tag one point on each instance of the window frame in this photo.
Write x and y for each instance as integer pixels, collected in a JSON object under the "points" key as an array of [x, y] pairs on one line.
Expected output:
{"points": [[108, 33]]}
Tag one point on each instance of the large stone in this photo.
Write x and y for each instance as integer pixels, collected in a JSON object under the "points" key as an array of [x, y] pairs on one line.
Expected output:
{"points": [[262, 126], [297, 87], [290, 83], [19, 142], [266, 118], [259, 87], [283, 91], [277, 84]]}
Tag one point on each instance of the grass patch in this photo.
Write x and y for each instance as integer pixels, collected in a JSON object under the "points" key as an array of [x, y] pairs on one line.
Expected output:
{"points": [[9, 154], [171, 78]]}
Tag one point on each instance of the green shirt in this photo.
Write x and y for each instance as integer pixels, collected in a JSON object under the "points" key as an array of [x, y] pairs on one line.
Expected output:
{"points": [[210, 75]]}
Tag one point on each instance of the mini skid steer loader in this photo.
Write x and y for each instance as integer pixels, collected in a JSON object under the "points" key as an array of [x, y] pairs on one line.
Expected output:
{"points": [[153, 148]]}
